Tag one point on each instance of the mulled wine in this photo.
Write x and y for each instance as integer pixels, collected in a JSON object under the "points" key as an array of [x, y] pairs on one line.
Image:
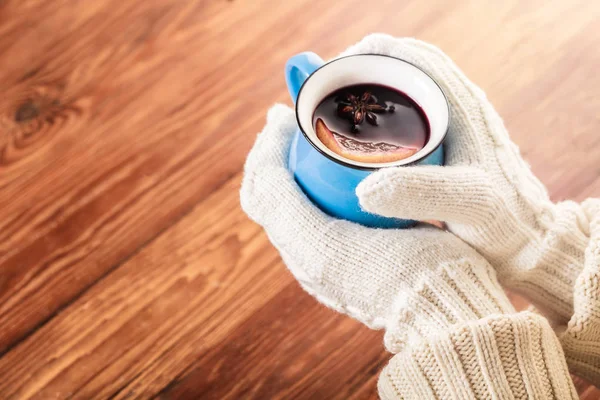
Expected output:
{"points": [[371, 123]]}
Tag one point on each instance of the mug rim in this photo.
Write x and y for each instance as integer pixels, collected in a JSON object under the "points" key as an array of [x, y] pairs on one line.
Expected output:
{"points": [[365, 168]]}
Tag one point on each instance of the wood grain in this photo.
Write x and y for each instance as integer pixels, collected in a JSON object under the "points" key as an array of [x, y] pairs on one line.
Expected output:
{"points": [[127, 269]]}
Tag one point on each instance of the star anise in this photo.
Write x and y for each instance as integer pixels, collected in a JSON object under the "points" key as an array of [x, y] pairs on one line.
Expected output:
{"points": [[357, 109]]}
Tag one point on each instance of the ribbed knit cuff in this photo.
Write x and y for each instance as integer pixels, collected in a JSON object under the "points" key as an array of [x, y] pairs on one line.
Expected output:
{"points": [[503, 356]]}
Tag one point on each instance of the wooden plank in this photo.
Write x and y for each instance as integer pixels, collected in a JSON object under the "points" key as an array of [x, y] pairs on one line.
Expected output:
{"points": [[111, 333], [122, 157], [145, 324], [291, 348], [127, 268]]}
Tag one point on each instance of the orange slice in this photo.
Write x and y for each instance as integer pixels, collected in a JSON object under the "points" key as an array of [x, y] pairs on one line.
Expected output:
{"points": [[355, 150]]}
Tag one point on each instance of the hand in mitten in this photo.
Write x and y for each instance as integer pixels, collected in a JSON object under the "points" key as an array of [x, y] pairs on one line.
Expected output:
{"points": [[487, 194], [424, 286]]}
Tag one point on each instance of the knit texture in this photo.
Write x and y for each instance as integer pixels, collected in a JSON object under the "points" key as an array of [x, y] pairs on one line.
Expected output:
{"points": [[412, 283], [581, 340], [489, 197], [424, 285], [504, 357], [486, 193]]}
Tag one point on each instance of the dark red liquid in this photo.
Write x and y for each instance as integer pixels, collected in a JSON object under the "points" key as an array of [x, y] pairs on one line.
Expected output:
{"points": [[372, 119]]}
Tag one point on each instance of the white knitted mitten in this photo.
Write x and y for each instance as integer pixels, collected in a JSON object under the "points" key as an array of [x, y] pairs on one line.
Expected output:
{"points": [[437, 299], [486, 193], [488, 197], [412, 283]]}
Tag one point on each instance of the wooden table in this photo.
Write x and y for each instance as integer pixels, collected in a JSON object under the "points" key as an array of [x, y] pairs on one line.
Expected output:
{"points": [[128, 270]]}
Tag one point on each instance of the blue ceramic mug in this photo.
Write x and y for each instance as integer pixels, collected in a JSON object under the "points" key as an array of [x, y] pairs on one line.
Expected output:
{"points": [[327, 178]]}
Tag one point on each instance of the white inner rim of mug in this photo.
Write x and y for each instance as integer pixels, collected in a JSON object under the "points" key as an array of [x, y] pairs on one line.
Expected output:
{"points": [[374, 69]]}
